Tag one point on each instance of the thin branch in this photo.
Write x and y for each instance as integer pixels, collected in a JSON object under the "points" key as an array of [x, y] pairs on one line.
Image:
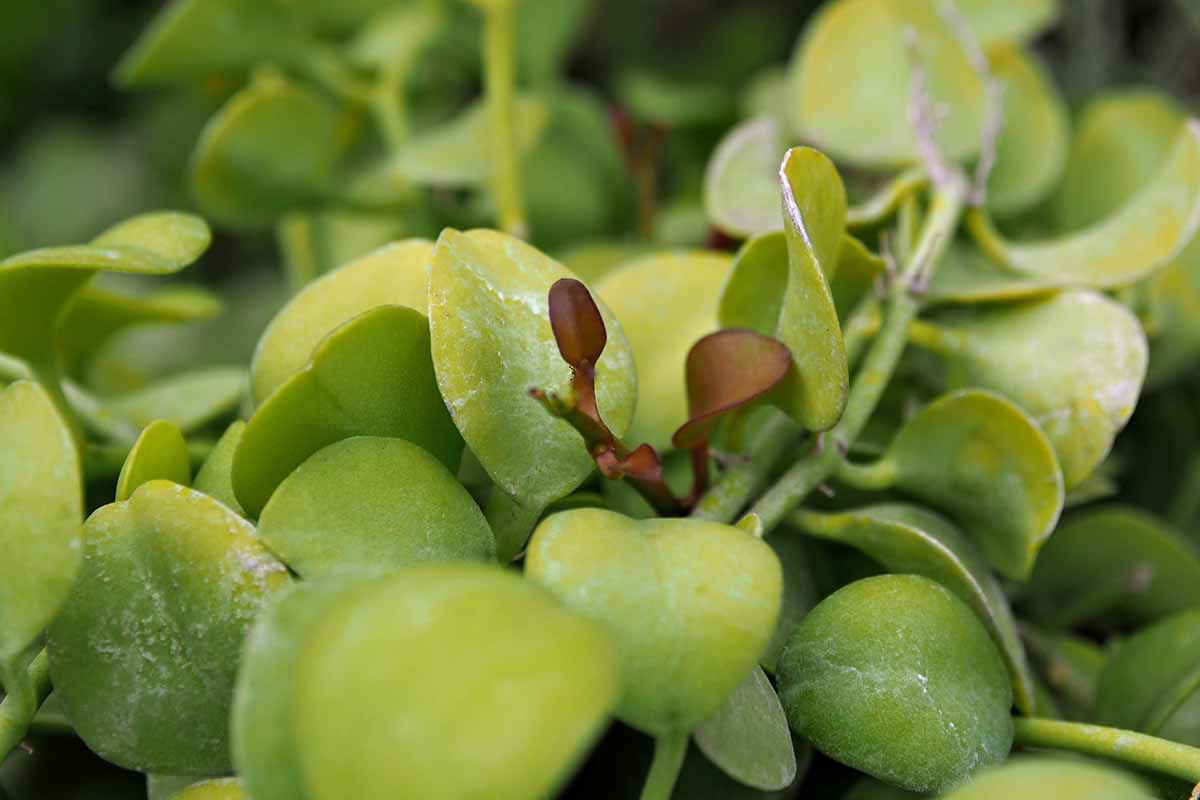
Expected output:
{"points": [[922, 116]]}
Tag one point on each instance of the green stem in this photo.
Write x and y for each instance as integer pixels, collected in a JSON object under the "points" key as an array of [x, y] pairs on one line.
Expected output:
{"points": [[980, 226], [1129, 747], [871, 477], [669, 751], [880, 362], [51, 380], [500, 83], [27, 690], [743, 479], [862, 324]]}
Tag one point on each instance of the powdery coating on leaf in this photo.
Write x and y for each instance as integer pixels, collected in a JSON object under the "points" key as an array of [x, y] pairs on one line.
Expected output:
{"points": [[894, 676], [492, 343], [693, 604], [144, 653]]}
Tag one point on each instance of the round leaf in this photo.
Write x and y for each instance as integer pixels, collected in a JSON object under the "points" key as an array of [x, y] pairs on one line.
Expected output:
{"points": [[1074, 361], [189, 400], [370, 377], [344, 507], [380, 684], [215, 477], [1060, 778], [1114, 564], [144, 653], [908, 539], [492, 343], [215, 789], [748, 736], [693, 605], [395, 274], [271, 148], [966, 275], [1031, 152], [852, 79], [41, 515], [741, 182], [665, 302], [983, 460], [160, 453], [894, 676]]}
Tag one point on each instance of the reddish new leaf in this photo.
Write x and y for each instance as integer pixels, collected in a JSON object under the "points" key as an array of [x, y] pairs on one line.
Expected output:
{"points": [[577, 324]]}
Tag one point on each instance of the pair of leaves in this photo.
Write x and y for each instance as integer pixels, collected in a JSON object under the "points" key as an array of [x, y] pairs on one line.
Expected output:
{"points": [[373, 671]]}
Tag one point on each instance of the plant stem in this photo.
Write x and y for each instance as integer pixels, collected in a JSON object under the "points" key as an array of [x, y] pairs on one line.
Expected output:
{"points": [[880, 362], [500, 83], [669, 752], [27, 689], [1130, 747], [737, 485], [873, 477]]}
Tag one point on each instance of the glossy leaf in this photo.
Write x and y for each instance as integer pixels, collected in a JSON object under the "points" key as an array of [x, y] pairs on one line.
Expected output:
{"points": [[748, 736], [371, 377], [456, 154], [36, 286], [665, 303], [1140, 237], [1113, 564], [145, 651], [852, 75], [215, 789], [1031, 151], [576, 322], [395, 274], [189, 400], [215, 477], [1074, 361], [263, 718], [344, 508], [160, 453], [1060, 778], [41, 516], [1015, 21], [492, 342], [380, 682], [984, 461], [894, 676], [693, 605], [1152, 678], [271, 148], [796, 306], [908, 539], [741, 181], [178, 47]]}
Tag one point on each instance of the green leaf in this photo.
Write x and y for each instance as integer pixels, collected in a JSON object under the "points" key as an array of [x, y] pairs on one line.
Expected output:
{"points": [[1031, 152], [273, 147], [160, 453], [894, 676], [741, 181], [1015, 21], [665, 303], [457, 153], [180, 44], [41, 516], [189, 400], [371, 377], [492, 343], [165, 787], [214, 789], [1075, 361], [800, 592], [545, 34], [1070, 665], [591, 261], [344, 508], [659, 99], [852, 76], [1150, 682], [262, 722], [1140, 237], [748, 736], [1060, 778], [395, 274], [908, 539], [790, 299], [96, 314], [983, 460], [380, 681], [36, 286], [1114, 564], [144, 653], [215, 477], [966, 275], [692, 604]]}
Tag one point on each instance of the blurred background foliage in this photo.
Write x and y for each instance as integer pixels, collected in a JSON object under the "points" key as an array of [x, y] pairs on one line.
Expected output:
{"points": [[666, 79]]}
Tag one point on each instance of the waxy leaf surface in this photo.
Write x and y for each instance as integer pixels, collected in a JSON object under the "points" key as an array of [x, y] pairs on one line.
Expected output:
{"points": [[748, 736], [160, 453]]}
